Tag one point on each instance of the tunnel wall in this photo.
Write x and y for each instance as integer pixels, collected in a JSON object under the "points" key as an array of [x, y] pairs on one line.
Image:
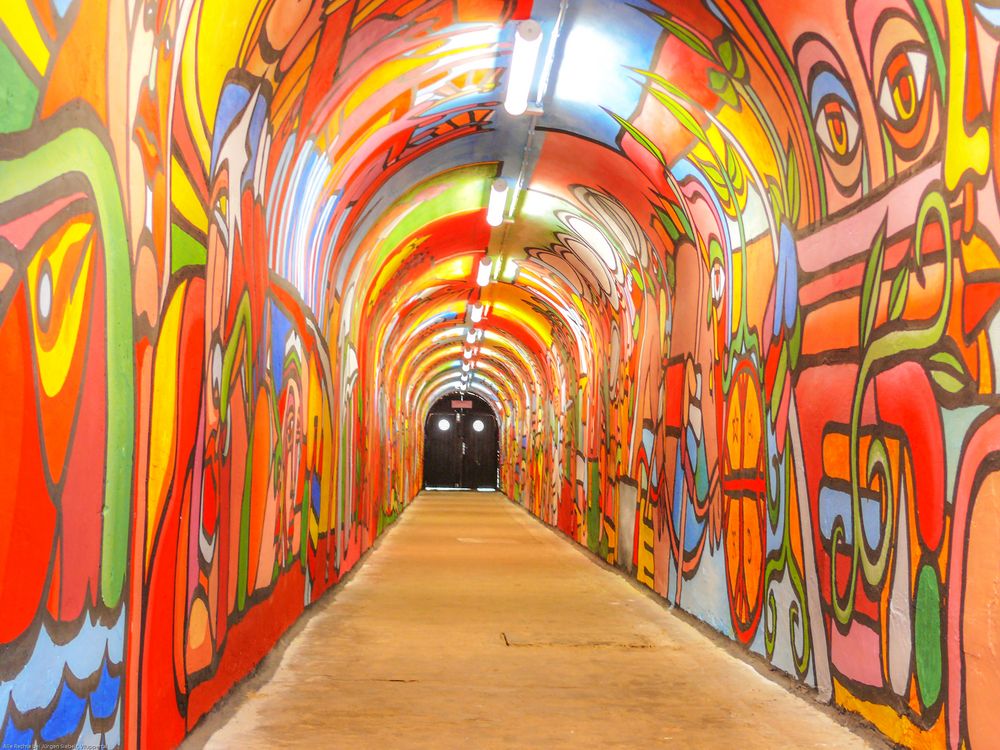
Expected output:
{"points": [[777, 409], [185, 463], [817, 475]]}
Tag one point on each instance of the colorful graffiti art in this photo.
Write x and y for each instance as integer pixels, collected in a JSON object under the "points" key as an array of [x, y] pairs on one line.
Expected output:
{"points": [[738, 321]]}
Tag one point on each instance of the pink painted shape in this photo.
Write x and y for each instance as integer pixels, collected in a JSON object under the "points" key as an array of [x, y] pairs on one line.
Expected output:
{"points": [[20, 231], [857, 655]]}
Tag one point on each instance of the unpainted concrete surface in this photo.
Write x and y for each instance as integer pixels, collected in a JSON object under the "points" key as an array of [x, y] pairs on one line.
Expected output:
{"points": [[474, 626]]}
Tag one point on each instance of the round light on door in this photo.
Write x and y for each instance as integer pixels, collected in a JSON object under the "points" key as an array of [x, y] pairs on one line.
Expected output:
{"points": [[444, 425], [478, 425]]}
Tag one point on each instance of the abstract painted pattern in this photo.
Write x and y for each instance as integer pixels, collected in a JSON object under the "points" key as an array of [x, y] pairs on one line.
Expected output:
{"points": [[740, 330]]}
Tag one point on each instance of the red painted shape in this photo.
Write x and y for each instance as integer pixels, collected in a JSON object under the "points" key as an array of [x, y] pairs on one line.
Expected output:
{"points": [[27, 515], [903, 397], [83, 492]]}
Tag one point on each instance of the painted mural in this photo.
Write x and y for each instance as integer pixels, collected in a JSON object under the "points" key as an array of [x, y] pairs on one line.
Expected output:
{"points": [[739, 327]]}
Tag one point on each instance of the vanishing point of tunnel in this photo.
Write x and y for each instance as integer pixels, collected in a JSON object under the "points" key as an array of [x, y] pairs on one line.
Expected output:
{"points": [[710, 288]]}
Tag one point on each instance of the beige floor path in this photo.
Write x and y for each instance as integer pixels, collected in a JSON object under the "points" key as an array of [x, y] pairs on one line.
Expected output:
{"points": [[473, 626]]}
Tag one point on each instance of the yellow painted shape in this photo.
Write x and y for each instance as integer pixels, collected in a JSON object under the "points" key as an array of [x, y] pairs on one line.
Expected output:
{"points": [[189, 91], [16, 16], [185, 199], [963, 152], [531, 319], [162, 424], [985, 364], [222, 29], [897, 728], [54, 362]]}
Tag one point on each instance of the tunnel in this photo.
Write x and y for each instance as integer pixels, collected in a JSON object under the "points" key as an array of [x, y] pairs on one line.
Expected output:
{"points": [[724, 276]]}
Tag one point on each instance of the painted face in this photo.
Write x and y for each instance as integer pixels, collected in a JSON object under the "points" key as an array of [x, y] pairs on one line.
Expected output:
{"points": [[902, 78], [836, 119]]}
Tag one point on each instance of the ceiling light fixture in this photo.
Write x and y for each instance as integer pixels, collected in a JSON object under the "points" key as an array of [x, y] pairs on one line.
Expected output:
{"points": [[510, 270], [477, 313], [483, 275], [498, 202], [527, 43]]}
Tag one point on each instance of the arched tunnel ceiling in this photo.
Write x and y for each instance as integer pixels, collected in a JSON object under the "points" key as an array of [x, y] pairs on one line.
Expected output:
{"points": [[739, 324], [377, 136]]}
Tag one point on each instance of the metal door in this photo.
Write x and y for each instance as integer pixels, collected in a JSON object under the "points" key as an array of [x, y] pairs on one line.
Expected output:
{"points": [[461, 444]]}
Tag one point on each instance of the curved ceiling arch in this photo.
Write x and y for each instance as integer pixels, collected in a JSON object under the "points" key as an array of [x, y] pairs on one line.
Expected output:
{"points": [[740, 240]]}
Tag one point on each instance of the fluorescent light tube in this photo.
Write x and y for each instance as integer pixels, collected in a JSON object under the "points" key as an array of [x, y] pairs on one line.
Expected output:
{"points": [[483, 276], [498, 202], [527, 43]]}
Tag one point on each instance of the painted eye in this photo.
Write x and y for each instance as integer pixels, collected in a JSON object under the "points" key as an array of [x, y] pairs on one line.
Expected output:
{"points": [[904, 87], [44, 296], [718, 279], [837, 128]]}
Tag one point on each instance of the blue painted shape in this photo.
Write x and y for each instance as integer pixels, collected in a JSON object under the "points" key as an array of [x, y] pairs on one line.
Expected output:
{"points": [[64, 721], [39, 681], [835, 504], [787, 281], [14, 737], [105, 697], [281, 327], [678, 487], [314, 495], [991, 16], [827, 84], [233, 101]]}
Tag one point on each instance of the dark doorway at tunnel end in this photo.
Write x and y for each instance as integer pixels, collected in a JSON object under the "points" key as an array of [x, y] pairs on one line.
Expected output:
{"points": [[461, 444]]}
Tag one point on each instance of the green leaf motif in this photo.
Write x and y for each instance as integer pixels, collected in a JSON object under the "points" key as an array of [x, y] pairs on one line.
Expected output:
{"points": [[730, 56], [871, 286], [947, 382], [793, 188], [949, 362], [897, 294], [686, 36], [795, 343], [777, 199], [684, 117], [642, 139], [733, 169], [721, 85]]}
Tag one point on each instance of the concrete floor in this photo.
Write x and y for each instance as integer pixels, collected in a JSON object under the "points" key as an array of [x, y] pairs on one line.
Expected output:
{"points": [[474, 626]]}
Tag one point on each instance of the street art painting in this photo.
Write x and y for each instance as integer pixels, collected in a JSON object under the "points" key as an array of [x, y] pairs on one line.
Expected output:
{"points": [[738, 325]]}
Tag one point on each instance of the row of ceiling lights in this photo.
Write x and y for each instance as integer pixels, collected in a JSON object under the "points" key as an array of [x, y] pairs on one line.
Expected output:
{"points": [[523, 64]]}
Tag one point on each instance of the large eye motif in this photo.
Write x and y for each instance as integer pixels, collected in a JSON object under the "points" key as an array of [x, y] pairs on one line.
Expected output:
{"points": [[904, 86], [836, 118], [903, 80], [838, 127], [904, 99]]}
